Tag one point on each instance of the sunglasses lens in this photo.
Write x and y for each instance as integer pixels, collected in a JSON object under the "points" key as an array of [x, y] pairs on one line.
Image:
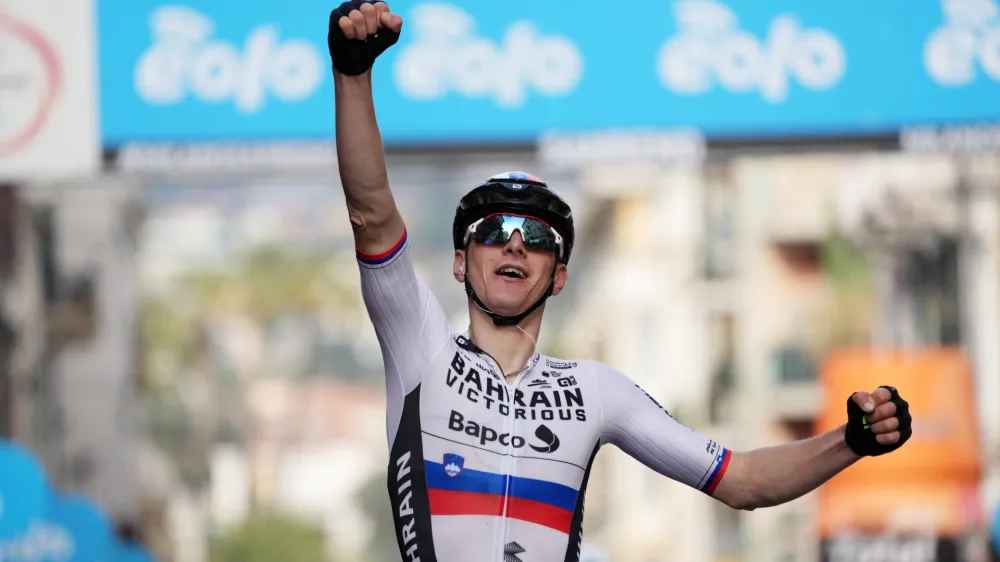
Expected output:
{"points": [[538, 236], [498, 229], [492, 231]]}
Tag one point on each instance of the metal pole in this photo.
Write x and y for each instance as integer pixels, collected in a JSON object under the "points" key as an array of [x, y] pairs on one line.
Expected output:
{"points": [[966, 259], [7, 342], [885, 266], [8, 264]]}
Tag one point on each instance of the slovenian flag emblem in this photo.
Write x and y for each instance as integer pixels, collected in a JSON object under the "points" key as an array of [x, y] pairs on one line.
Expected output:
{"points": [[452, 464]]}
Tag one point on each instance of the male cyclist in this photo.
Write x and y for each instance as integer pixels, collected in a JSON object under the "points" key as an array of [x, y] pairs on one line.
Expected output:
{"points": [[491, 442]]}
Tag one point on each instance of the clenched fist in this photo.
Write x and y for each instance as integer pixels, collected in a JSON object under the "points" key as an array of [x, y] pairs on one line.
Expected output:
{"points": [[877, 423], [360, 31]]}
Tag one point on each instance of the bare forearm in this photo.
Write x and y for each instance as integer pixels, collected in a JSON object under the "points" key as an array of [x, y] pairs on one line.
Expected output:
{"points": [[775, 475], [362, 165]]}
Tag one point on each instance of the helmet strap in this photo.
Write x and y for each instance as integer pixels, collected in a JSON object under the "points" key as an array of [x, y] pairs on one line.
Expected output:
{"points": [[500, 320]]}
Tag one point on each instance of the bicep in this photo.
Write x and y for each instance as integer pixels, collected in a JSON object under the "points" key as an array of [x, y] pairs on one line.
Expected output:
{"points": [[643, 429], [376, 221]]}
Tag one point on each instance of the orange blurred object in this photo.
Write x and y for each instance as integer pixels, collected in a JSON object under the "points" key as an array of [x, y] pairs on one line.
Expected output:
{"points": [[932, 482], [946, 509]]}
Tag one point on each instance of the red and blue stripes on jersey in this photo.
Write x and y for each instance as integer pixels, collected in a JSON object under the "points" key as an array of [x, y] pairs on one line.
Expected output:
{"points": [[378, 259], [717, 471], [473, 492]]}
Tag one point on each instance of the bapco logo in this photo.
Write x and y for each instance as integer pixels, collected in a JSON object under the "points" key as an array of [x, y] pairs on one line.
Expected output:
{"points": [[550, 440], [711, 48], [968, 40], [486, 435]]}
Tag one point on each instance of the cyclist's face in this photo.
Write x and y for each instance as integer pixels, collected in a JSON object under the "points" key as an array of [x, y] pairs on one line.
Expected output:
{"points": [[509, 278]]}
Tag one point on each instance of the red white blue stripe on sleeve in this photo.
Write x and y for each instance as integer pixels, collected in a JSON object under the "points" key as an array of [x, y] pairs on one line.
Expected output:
{"points": [[717, 471], [378, 259], [472, 492]]}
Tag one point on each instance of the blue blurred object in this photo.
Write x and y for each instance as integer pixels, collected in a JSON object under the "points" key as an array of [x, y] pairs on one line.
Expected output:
{"points": [[996, 532], [86, 525], [128, 552], [507, 71], [24, 490]]}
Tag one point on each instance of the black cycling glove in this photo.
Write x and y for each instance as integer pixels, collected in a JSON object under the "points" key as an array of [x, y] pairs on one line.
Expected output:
{"points": [[355, 56], [859, 434]]}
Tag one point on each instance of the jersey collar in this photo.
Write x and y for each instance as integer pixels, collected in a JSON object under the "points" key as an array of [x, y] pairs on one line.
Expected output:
{"points": [[463, 340]]}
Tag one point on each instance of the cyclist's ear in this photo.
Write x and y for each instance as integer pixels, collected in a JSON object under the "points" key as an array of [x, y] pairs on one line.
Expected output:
{"points": [[458, 269], [562, 274]]}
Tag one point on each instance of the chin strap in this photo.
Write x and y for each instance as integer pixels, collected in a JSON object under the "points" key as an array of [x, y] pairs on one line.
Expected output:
{"points": [[499, 320]]}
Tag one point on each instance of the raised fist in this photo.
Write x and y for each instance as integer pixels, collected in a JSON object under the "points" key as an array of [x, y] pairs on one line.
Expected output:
{"points": [[360, 31], [877, 423]]}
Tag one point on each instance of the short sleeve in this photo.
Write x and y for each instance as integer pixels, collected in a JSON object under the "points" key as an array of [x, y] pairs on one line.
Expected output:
{"points": [[639, 426], [409, 322]]}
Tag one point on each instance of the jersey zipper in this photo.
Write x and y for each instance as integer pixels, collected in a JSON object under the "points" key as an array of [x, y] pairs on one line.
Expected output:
{"points": [[510, 426]]}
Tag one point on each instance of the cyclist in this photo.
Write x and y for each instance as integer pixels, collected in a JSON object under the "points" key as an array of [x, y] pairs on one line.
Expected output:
{"points": [[491, 442]]}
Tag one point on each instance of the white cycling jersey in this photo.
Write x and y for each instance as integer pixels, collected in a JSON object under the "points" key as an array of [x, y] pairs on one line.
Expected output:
{"points": [[482, 470]]}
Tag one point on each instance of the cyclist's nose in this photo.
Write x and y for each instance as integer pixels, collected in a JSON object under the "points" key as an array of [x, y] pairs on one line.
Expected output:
{"points": [[515, 245]]}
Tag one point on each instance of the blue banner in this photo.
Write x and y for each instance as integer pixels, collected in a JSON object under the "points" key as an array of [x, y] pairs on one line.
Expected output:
{"points": [[128, 552], [88, 529], [39, 524], [506, 71], [24, 490], [996, 531]]}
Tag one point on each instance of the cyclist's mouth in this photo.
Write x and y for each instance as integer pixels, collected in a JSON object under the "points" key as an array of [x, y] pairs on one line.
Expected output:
{"points": [[512, 273]]}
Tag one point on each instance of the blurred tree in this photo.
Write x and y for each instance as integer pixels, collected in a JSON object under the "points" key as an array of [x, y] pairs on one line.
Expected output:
{"points": [[172, 347], [195, 385], [279, 283], [850, 317], [268, 537], [374, 500]]}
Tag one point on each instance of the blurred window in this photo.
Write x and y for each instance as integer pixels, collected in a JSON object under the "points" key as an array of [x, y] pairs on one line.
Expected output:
{"points": [[720, 223]]}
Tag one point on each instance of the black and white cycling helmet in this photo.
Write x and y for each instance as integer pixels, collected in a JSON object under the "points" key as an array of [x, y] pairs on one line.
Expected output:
{"points": [[516, 193]]}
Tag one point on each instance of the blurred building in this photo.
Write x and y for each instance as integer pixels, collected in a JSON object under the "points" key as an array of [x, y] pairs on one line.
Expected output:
{"points": [[315, 445], [67, 289], [81, 396], [21, 328], [725, 305]]}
